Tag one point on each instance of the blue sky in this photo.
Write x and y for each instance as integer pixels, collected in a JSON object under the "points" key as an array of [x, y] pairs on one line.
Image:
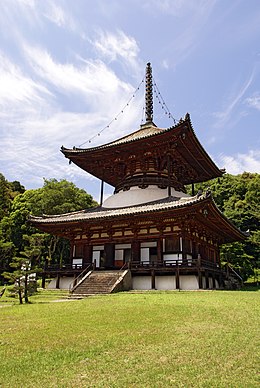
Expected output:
{"points": [[69, 68]]}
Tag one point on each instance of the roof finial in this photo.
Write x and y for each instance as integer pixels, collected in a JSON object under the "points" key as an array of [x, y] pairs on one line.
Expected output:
{"points": [[149, 94]]}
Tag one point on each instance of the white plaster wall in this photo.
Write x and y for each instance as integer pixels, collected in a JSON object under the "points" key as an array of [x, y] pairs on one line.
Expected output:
{"points": [[189, 282], [165, 282], [210, 283], [141, 283], [64, 283], [136, 196]]}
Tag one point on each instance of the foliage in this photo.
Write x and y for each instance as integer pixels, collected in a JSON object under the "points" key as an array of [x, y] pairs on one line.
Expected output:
{"points": [[238, 198], [133, 340], [55, 197], [8, 191], [5, 197], [25, 266]]}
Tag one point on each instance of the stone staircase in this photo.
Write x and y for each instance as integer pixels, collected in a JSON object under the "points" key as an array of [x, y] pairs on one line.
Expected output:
{"points": [[98, 282], [233, 280]]}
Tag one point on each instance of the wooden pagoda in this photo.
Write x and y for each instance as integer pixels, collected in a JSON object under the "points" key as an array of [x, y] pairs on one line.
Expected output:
{"points": [[161, 237]]}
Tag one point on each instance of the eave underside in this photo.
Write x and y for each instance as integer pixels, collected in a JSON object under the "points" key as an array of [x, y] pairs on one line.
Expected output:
{"points": [[175, 153], [202, 218]]}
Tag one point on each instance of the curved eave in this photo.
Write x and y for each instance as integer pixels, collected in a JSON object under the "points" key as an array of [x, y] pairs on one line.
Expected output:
{"points": [[99, 161], [222, 224], [215, 220]]}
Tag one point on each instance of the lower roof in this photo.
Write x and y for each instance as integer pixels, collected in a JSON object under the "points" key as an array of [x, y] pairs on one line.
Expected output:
{"points": [[171, 206]]}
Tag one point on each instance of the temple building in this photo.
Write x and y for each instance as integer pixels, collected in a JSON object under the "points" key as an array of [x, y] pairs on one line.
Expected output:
{"points": [[150, 234]]}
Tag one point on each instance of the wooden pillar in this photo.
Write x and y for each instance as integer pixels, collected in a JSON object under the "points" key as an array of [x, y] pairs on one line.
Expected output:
{"points": [[207, 279], [101, 193], [169, 175], [213, 281], [199, 272], [109, 255], [74, 280], [160, 250], [87, 255], [72, 249], [58, 281], [135, 250], [177, 277], [43, 273], [43, 280], [153, 279]]}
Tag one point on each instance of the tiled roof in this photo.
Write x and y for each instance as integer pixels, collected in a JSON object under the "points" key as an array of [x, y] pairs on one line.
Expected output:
{"points": [[146, 131], [101, 212]]}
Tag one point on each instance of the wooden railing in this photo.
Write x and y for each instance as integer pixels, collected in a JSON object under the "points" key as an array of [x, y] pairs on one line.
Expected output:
{"points": [[168, 263], [124, 266], [172, 263], [80, 277], [229, 270], [58, 267]]}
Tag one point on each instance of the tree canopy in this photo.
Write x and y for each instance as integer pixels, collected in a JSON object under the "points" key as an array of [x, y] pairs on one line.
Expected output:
{"points": [[55, 197], [237, 196]]}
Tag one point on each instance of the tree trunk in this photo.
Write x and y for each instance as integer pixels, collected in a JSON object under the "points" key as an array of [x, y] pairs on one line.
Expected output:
{"points": [[26, 288], [20, 292]]}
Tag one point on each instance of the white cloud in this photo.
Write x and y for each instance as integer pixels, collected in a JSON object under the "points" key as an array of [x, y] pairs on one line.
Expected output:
{"points": [[165, 64], [177, 8], [118, 46], [58, 16], [18, 88], [34, 123], [93, 79], [224, 116], [254, 101], [239, 163]]}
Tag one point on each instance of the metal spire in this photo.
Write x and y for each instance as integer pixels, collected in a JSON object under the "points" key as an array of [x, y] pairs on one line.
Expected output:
{"points": [[149, 94]]}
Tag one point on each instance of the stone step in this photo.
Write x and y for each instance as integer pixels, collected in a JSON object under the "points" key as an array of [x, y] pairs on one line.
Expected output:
{"points": [[97, 283]]}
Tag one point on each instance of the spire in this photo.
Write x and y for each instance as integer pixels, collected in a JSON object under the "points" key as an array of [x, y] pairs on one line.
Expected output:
{"points": [[148, 94]]}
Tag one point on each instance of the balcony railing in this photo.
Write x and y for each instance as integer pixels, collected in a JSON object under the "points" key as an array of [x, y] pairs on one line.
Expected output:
{"points": [[168, 263]]}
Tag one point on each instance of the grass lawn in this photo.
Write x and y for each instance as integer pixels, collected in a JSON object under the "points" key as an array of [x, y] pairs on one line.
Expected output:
{"points": [[153, 339]]}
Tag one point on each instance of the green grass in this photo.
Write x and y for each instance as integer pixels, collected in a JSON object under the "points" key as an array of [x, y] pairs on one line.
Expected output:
{"points": [[152, 339]]}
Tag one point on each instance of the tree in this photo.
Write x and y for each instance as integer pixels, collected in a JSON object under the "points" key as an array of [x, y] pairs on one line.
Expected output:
{"points": [[55, 197], [5, 197], [26, 266], [236, 255], [238, 198]]}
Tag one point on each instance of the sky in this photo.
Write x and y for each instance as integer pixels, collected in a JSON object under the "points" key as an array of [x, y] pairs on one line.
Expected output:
{"points": [[72, 71]]}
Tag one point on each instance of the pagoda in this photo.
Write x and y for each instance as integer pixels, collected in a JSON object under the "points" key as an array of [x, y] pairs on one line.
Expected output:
{"points": [[150, 230]]}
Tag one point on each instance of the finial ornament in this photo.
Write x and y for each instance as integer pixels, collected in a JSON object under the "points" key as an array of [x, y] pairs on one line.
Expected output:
{"points": [[149, 94]]}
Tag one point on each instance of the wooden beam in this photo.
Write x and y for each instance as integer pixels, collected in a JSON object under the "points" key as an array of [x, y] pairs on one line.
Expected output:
{"points": [[101, 193]]}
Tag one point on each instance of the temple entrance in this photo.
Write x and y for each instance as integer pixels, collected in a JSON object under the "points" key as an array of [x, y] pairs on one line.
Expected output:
{"points": [[123, 254], [149, 252], [98, 255]]}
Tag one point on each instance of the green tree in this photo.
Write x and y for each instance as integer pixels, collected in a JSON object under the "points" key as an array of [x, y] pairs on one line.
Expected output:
{"points": [[55, 197], [238, 198], [26, 266], [5, 197]]}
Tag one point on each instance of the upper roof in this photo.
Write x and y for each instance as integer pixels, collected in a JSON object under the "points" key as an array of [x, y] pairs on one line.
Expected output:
{"points": [[193, 164]]}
